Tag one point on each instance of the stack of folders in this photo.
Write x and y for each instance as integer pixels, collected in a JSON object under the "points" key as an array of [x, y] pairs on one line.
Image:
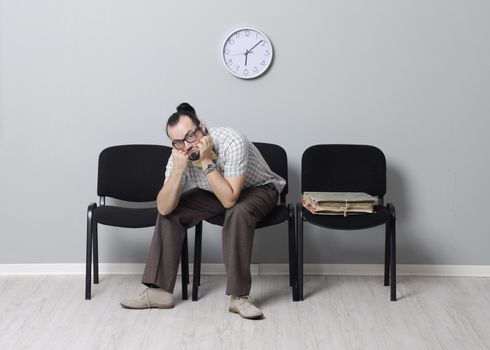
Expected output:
{"points": [[339, 203]]}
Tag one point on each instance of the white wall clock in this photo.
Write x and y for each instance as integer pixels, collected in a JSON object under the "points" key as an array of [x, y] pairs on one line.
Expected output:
{"points": [[247, 53]]}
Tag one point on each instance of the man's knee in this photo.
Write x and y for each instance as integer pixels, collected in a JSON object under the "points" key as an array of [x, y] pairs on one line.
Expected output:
{"points": [[239, 207], [242, 210], [171, 218]]}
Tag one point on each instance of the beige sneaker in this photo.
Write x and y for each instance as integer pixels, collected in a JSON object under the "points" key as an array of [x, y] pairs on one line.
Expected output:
{"points": [[244, 307], [150, 298]]}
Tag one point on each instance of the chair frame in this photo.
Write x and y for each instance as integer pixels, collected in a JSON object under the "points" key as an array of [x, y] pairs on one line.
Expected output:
{"points": [[390, 247], [390, 251], [92, 253]]}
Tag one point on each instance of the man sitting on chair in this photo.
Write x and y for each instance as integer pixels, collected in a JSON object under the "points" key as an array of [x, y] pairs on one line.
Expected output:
{"points": [[231, 178]]}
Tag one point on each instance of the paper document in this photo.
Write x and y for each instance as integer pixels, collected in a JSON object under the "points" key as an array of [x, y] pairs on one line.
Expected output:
{"points": [[339, 203]]}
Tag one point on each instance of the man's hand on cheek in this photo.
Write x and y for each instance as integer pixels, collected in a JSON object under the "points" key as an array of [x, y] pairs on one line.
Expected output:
{"points": [[180, 159], [205, 146]]}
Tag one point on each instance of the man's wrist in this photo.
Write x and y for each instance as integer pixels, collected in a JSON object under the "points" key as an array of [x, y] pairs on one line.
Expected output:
{"points": [[178, 172]]}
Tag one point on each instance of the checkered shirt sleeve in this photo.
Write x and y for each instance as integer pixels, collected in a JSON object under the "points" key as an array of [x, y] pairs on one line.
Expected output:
{"points": [[235, 150]]}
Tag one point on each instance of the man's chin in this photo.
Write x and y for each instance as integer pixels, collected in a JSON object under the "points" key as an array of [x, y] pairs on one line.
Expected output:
{"points": [[194, 156]]}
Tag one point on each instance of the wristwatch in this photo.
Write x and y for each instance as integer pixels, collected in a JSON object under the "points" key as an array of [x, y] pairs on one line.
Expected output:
{"points": [[209, 169]]}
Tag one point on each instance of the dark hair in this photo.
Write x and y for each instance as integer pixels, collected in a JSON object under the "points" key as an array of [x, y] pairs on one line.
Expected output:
{"points": [[184, 109]]}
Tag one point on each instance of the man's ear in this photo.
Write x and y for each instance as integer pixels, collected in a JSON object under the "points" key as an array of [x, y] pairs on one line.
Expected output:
{"points": [[203, 128]]}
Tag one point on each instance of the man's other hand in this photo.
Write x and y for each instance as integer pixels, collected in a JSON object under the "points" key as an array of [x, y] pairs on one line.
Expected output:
{"points": [[205, 147]]}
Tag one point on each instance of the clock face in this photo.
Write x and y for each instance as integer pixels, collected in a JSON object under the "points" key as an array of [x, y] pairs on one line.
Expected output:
{"points": [[247, 53]]}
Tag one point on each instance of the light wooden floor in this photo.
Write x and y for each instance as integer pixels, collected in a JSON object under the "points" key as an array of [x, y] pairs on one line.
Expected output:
{"points": [[49, 312]]}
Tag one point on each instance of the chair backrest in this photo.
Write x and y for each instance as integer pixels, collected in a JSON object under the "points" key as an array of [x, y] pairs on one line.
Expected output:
{"points": [[277, 159], [132, 173], [344, 168]]}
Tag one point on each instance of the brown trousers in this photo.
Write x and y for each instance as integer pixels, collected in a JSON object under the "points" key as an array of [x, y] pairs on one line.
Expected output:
{"points": [[238, 232]]}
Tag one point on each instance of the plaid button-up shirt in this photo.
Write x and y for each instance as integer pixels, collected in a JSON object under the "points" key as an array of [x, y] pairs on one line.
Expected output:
{"points": [[236, 156]]}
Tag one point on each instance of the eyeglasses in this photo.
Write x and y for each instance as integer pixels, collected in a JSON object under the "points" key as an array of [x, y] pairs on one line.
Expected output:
{"points": [[189, 137]]}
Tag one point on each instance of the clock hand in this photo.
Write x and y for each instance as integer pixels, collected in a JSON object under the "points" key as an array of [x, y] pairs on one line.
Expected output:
{"points": [[254, 46], [246, 56]]}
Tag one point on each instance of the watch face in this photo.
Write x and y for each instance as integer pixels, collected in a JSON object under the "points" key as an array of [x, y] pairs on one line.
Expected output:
{"points": [[209, 169], [247, 53]]}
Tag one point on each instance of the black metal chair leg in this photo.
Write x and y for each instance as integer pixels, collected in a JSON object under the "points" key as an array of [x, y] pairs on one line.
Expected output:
{"points": [[387, 254], [88, 256], [199, 251], [393, 260], [291, 246], [293, 265], [95, 244], [299, 230], [184, 268], [196, 278]]}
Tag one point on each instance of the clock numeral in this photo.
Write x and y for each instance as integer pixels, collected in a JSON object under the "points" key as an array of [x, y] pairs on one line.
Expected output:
{"points": [[237, 35], [262, 63], [227, 51], [230, 62], [256, 69], [231, 41], [236, 68], [263, 43], [247, 33], [267, 53], [245, 72]]}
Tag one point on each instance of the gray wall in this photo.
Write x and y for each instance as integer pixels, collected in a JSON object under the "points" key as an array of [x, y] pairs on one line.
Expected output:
{"points": [[411, 77]]}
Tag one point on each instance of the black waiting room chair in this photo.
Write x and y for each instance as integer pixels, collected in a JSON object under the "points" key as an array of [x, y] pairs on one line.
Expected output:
{"points": [[348, 168], [276, 158], [133, 173]]}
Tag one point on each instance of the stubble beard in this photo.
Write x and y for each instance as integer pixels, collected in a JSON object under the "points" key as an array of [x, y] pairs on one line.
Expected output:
{"points": [[194, 156]]}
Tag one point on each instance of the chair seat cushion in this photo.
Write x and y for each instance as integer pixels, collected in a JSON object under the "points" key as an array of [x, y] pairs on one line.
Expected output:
{"points": [[351, 222], [125, 217], [276, 216]]}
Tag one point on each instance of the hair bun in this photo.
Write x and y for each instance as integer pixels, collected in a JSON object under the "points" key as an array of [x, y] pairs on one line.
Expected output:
{"points": [[185, 107]]}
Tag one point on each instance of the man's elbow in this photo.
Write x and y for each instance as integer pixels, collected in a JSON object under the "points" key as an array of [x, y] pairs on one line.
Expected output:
{"points": [[229, 204], [163, 211], [231, 200]]}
